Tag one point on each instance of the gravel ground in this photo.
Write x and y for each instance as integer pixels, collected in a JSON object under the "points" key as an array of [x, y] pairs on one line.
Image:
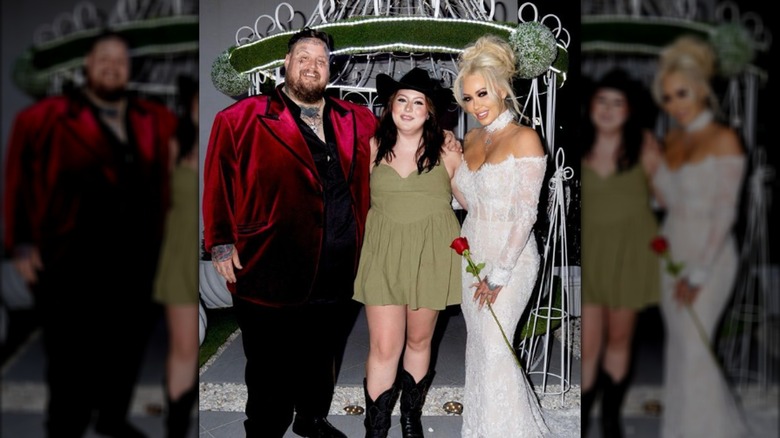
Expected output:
{"points": [[230, 397], [575, 334]]}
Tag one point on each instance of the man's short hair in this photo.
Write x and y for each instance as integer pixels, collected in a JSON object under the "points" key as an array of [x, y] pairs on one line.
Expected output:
{"points": [[105, 35], [308, 32]]}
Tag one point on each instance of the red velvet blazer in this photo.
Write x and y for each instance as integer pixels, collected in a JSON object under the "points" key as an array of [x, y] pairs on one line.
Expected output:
{"points": [[262, 193], [58, 154]]}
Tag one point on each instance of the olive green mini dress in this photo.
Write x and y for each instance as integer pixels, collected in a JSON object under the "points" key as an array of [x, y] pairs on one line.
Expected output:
{"points": [[619, 270], [176, 282], [406, 257]]}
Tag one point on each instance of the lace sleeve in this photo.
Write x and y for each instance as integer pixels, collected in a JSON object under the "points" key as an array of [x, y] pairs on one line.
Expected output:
{"points": [[531, 172], [728, 174]]}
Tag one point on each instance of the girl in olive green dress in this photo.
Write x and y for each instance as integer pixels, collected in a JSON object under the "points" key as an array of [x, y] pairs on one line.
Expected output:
{"points": [[619, 272], [176, 284], [407, 271]]}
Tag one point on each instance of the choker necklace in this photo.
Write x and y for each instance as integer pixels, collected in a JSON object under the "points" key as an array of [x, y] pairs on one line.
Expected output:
{"points": [[498, 124], [700, 121]]}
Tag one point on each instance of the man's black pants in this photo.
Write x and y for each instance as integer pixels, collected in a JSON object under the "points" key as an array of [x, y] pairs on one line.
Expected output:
{"points": [[291, 355]]}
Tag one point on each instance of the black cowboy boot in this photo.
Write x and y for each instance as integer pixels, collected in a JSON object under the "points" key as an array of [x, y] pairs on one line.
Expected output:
{"points": [[587, 400], [412, 401], [611, 405], [177, 417], [378, 412], [315, 427]]}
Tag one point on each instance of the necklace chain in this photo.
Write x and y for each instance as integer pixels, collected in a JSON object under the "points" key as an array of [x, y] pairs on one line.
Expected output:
{"points": [[498, 124]]}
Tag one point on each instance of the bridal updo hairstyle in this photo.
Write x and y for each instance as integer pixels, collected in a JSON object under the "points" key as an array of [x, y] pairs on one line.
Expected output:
{"points": [[492, 58], [694, 59]]}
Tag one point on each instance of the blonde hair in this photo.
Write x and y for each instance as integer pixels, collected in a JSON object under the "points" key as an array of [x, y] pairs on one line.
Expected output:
{"points": [[492, 58], [691, 57]]}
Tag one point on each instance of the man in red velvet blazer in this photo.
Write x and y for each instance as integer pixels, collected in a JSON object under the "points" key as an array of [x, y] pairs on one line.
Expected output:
{"points": [[284, 206], [86, 193]]}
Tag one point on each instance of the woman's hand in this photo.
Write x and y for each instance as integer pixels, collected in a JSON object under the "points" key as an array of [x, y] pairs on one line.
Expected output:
{"points": [[684, 293], [485, 294], [451, 143]]}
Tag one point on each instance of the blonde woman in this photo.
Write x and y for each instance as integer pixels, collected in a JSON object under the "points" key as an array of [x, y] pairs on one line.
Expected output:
{"points": [[698, 183], [498, 183]]}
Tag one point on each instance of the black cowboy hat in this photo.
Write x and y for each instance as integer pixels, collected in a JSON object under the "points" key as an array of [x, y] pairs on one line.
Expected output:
{"points": [[620, 80], [415, 79], [637, 94]]}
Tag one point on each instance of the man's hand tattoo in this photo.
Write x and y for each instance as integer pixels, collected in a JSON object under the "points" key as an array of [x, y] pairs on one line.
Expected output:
{"points": [[222, 253]]}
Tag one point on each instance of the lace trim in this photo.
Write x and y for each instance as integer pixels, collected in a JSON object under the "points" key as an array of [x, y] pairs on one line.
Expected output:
{"points": [[704, 160], [510, 158]]}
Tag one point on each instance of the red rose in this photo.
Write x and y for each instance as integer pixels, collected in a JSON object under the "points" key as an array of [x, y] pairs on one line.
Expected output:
{"points": [[459, 245], [659, 245]]}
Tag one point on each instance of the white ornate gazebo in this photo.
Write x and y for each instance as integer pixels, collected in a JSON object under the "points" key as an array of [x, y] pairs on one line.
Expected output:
{"points": [[391, 37]]}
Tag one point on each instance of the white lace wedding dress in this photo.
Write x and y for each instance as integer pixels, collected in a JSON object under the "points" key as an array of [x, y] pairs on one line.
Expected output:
{"points": [[501, 200], [701, 201]]}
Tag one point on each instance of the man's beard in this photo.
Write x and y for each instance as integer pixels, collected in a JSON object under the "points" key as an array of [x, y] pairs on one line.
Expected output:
{"points": [[305, 94], [108, 94]]}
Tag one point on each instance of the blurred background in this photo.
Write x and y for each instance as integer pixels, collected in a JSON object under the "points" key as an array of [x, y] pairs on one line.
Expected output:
{"points": [[41, 55], [630, 35]]}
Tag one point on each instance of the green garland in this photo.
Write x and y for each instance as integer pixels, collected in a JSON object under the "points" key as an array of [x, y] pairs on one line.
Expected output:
{"points": [[535, 43], [361, 35], [158, 36], [735, 49]]}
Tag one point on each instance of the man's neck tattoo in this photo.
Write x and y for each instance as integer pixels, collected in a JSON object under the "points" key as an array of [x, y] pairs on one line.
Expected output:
{"points": [[311, 116], [109, 108]]}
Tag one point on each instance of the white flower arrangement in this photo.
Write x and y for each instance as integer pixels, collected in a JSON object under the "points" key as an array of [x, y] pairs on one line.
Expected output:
{"points": [[535, 47], [734, 47], [226, 79]]}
